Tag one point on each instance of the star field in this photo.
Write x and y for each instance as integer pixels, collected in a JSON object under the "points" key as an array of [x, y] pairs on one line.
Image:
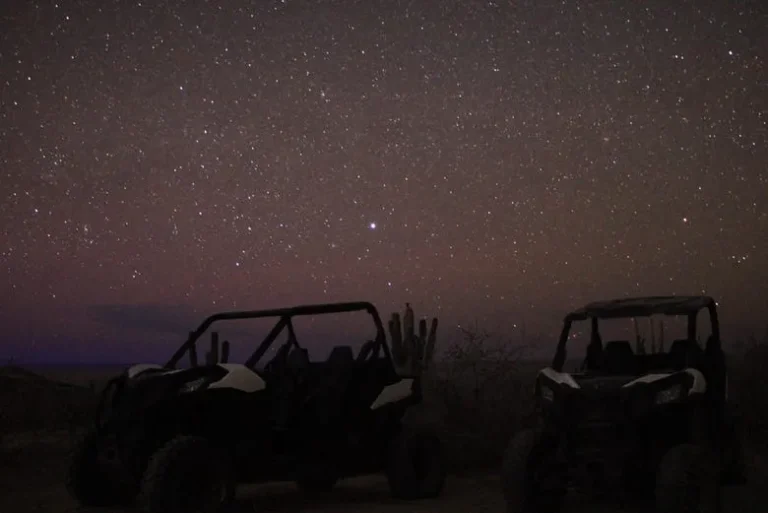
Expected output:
{"points": [[501, 161]]}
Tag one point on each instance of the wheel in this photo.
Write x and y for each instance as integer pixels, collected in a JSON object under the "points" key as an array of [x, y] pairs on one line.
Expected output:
{"points": [[415, 468], [530, 481], [186, 474], [88, 480], [733, 471], [687, 481]]}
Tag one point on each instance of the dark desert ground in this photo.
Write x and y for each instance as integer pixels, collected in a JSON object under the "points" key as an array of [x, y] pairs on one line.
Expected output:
{"points": [[44, 406]]}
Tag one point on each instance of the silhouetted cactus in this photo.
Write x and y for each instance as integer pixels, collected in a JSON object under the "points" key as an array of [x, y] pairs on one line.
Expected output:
{"points": [[212, 356], [396, 338], [429, 350], [225, 352], [412, 352], [192, 352]]}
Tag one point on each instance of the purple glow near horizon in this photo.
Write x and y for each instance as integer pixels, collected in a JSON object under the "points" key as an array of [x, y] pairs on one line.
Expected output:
{"points": [[498, 162]]}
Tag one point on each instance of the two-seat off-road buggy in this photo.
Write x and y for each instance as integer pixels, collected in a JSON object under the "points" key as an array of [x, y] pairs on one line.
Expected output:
{"points": [[177, 440], [630, 425]]}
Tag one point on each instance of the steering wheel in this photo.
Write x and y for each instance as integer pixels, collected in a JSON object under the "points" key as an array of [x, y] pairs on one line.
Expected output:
{"points": [[369, 350]]}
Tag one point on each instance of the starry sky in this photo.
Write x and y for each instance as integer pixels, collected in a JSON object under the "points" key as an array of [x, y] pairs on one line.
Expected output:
{"points": [[498, 161]]}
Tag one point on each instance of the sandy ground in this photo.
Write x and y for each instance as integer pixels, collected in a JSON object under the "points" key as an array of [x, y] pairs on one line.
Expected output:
{"points": [[32, 471]]}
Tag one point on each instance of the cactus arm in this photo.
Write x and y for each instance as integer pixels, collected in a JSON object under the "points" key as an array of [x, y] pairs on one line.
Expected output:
{"points": [[429, 350], [225, 352]]}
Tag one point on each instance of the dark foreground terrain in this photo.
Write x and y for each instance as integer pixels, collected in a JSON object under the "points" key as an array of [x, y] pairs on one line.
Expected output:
{"points": [[31, 480], [41, 410]]}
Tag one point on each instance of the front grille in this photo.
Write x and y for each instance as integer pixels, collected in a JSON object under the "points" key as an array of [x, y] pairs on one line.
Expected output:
{"points": [[602, 408], [598, 423], [595, 435]]}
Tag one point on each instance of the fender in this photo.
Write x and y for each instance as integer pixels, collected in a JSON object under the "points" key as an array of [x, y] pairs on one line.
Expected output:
{"points": [[561, 378], [397, 391]]}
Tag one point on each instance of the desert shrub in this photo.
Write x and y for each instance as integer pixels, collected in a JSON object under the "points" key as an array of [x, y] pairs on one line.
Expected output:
{"points": [[484, 390], [29, 402], [484, 386], [748, 390]]}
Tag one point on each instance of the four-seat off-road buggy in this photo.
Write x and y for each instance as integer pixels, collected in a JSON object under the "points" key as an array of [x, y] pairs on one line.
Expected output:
{"points": [[177, 440], [628, 424]]}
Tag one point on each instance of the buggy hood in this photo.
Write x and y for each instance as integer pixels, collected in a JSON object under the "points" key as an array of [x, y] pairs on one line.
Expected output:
{"points": [[588, 382], [231, 376]]}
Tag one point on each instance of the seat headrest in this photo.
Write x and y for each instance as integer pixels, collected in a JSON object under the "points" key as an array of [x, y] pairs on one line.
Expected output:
{"points": [[622, 347], [684, 352], [681, 346], [618, 357], [341, 355]]}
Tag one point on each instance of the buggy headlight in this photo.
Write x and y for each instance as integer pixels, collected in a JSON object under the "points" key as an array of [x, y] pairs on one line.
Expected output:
{"points": [[194, 385], [670, 394], [547, 393]]}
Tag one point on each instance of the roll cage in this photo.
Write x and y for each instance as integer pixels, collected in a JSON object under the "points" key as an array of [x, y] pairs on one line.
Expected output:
{"points": [[285, 316], [688, 306]]}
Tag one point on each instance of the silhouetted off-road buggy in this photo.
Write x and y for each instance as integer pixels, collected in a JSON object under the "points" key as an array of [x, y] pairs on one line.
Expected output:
{"points": [[178, 440], [630, 425]]}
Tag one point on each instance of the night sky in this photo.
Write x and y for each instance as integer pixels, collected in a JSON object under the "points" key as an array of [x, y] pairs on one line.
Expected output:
{"points": [[493, 161]]}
